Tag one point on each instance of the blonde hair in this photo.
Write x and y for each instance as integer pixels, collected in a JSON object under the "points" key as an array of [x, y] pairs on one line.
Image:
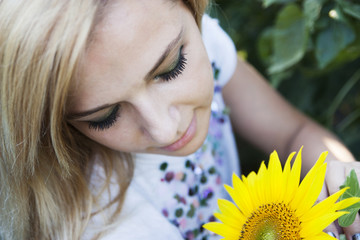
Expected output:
{"points": [[45, 163], [198, 8]]}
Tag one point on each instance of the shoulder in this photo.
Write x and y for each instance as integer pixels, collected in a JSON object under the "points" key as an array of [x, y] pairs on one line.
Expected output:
{"points": [[220, 49]]}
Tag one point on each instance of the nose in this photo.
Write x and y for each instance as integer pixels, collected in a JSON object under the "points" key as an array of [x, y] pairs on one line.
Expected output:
{"points": [[159, 119]]}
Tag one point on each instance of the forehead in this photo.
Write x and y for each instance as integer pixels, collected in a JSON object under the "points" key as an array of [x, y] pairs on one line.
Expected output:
{"points": [[134, 25], [130, 18], [132, 29]]}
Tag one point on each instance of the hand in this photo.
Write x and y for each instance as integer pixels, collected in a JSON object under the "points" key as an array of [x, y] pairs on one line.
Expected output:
{"points": [[335, 177]]}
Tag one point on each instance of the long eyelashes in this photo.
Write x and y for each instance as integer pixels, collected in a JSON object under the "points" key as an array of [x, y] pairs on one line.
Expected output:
{"points": [[177, 70], [112, 117], [107, 122]]}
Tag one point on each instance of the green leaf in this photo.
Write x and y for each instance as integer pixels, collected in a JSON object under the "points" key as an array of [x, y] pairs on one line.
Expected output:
{"points": [[353, 191], [350, 8], [267, 3], [312, 10], [351, 182], [290, 38], [277, 78], [331, 41], [264, 45]]}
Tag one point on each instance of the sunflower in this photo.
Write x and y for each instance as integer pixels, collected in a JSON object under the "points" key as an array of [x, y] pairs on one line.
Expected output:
{"points": [[274, 205]]}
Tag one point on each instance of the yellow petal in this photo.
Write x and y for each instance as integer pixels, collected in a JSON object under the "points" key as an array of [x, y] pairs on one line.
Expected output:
{"points": [[222, 230], [251, 184], [322, 208], [242, 201], [307, 184], [229, 220], [321, 236], [275, 178], [262, 183], [286, 175], [309, 190], [228, 208], [347, 203], [294, 176], [317, 225]]}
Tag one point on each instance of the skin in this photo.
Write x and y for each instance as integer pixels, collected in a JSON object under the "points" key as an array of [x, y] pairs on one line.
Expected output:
{"points": [[116, 69], [155, 113]]}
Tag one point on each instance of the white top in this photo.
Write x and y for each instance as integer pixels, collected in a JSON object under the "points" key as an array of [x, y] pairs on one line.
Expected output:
{"points": [[172, 197]]}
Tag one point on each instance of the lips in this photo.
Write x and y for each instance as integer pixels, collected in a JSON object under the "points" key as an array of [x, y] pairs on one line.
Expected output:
{"points": [[185, 139]]}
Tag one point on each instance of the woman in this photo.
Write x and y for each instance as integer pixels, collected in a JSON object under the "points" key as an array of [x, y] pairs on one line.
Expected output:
{"points": [[115, 101]]}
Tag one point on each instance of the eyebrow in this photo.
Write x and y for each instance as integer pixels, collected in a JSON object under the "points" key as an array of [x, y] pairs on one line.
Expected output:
{"points": [[74, 116], [162, 58], [166, 53]]}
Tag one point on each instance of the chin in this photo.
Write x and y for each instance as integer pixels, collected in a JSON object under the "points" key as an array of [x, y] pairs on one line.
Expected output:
{"points": [[190, 149]]}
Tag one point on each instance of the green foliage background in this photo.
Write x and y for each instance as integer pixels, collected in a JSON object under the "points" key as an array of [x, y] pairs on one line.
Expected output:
{"points": [[310, 51]]}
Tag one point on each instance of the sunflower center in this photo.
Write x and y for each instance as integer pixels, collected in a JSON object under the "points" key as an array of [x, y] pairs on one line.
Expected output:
{"points": [[274, 221]]}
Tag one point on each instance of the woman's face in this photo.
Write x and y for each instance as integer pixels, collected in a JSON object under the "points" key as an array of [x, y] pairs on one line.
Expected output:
{"points": [[145, 83]]}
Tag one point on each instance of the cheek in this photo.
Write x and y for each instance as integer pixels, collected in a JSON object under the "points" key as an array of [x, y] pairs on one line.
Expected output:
{"points": [[209, 82], [203, 79], [200, 72]]}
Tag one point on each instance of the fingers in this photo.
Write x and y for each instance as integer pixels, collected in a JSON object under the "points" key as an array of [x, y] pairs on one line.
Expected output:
{"points": [[335, 177], [353, 232], [356, 237]]}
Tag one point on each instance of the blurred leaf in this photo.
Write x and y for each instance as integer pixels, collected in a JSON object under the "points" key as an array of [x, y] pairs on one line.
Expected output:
{"points": [[242, 55], [350, 8], [353, 191], [340, 96], [267, 3], [289, 39], [277, 78], [349, 120], [331, 41], [264, 44], [352, 51], [312, 9]]}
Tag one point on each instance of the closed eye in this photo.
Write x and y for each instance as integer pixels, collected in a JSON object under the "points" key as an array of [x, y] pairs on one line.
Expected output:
{"points": [[108, 121], [177, 69]]}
